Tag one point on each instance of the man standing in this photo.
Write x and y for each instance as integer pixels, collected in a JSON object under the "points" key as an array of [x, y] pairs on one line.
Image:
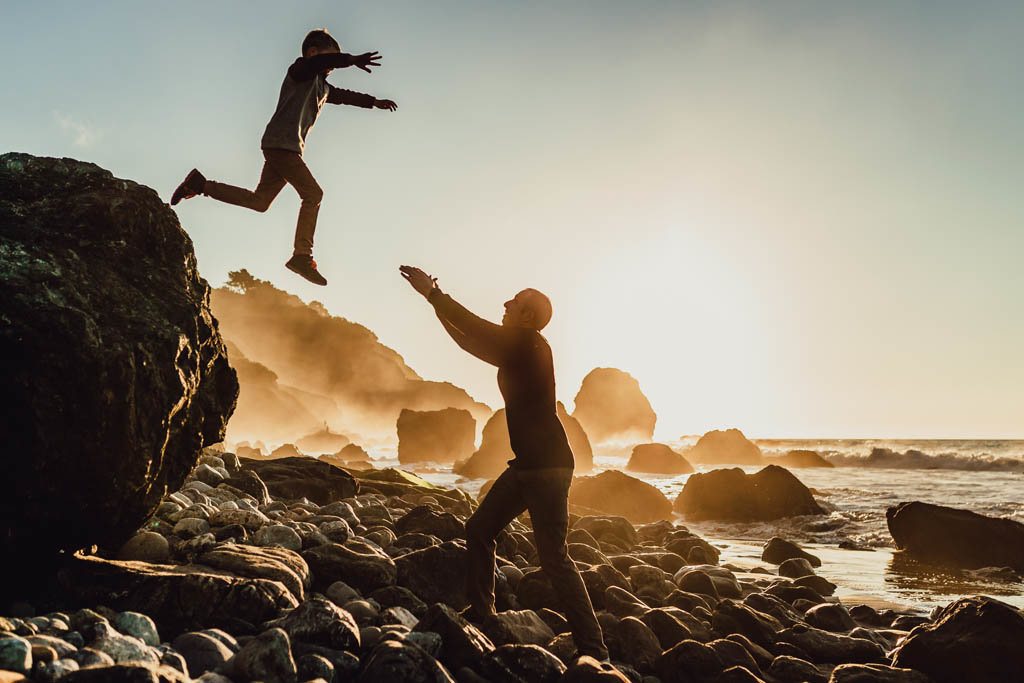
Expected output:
{"points": [[538, 477]]}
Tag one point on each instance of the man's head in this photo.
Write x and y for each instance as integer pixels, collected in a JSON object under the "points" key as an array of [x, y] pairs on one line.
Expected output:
{"points": [[319, 41], [529, 308]]}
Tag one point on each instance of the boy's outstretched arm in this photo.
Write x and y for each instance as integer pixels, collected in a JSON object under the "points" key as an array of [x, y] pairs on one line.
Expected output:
{"points": [[306, 68], [358, 99], [485, 340]]}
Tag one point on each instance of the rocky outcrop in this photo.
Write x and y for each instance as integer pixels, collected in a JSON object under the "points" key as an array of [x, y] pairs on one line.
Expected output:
{"points": [[610, 405], [799, 459], [496, 450], [357, 382], [303, 477], [725, 447], [440, 436], [322, 441], [657, 458], [974, 639], [959, 537], [730, 494], [616, 493], [110, 357]]}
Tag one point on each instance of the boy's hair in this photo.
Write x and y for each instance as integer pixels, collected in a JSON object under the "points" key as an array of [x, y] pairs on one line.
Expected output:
{"points": [[320, 39]]}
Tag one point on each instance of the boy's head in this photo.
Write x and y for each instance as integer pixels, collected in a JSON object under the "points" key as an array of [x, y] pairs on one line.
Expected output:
{"points": [[318, 41]]}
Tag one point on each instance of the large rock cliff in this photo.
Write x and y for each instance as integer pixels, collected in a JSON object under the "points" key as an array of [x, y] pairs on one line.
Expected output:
{"points": [[114, 373]]}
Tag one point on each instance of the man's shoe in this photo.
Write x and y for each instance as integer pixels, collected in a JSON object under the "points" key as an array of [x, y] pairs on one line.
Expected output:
{"points": [[305, 266], [193, 184]]}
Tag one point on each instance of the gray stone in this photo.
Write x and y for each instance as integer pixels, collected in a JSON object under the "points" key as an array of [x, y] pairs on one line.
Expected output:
{"points": [[521, 664], [313, 666], [145, 546], [277, 564], [777, 550], [250, 519], [207, 475], [796, 567], [51, 671], [189, 527], [202, 652], [360, 565], [338, 530], [394, 662], [16, 655], [340, 593], [88, 658], [138, 625], [267, 657], [319, 621], [278, 535], [126, 649]]}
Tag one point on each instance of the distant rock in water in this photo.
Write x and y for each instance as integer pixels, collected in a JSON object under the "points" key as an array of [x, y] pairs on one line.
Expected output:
{"points": [[496, 448], [115, 375], [725, 447], [610, 406], [657, 458], [322, 441], [435, 435], [337, 369], [617, 493], [799, 459], [730, 494], [959, 537]]}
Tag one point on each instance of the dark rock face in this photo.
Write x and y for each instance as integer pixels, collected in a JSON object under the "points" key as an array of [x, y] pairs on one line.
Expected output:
{"points": [[435, 435], [725, 447], [620, 494], [974, 639], [110, 358], [435, 574], [730, 494], [610, 405], [495, 449], [179, 598], [425, 520], [303, 477], [657, 458], [959, 537]]}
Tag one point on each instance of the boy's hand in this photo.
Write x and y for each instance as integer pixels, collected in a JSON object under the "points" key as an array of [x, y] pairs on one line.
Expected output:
{"points": [[385, 104], [419, 280], [366, 60]]}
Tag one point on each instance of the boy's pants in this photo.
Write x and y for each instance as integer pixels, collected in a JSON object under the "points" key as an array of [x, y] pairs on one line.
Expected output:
{"points": [[544, 492], [281, 166]]}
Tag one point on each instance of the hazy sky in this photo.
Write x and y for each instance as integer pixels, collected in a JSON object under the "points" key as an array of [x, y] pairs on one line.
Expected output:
{"points": [[795, 218]]}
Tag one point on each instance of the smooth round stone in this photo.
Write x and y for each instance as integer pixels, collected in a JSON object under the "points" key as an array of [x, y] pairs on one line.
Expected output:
{"points": [[369, 636], [312, 666], [426, 640], [341, 509], [175, 660], [61, 647], [222, 471], [245, 504], [145, 546], [74, 637], [229, 505], [193, 510], [178, 498], [340, 593], [207, 475], [16, 655], [190, 527], [278, 535], [337, 530], [250, 519], [211, 461], [51, 671], [126, 649], [362, 611], [138, 625], [88, 657]]}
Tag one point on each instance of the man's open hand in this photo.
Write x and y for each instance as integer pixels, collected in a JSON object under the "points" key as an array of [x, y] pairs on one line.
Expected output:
{"points": [[385, 104], [419, 280], [366, 60]]}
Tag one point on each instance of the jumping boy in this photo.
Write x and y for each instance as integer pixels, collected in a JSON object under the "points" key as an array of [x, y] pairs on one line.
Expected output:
{"points": [[303, 93]]}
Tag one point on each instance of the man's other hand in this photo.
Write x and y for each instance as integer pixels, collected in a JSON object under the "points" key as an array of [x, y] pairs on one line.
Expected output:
{"points": [[366, 60], [385, 104], [419, 280]]}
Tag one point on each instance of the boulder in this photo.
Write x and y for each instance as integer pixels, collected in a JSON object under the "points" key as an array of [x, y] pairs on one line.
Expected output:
{"points": [[730, 494], [725, 447], [267, 657], [425, 520], [523, 627], [394, 662], [617, 493], [322, 441], [462, 644], [363, 567], [586, 669], [435, 574], [689, 662], [610, 405], [657, 458], [435, 435], [798, 459], [275, 564], [823, 646], [778, 550], [495, 449], [110, 357], [959, 537], [180, 599], [875, 673], [303, 477], [974, 639], [521, 664], [318, 621]]}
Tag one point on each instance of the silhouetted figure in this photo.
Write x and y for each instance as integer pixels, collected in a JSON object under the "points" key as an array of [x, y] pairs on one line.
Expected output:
{"points": [[538, 477], [303, 93]]}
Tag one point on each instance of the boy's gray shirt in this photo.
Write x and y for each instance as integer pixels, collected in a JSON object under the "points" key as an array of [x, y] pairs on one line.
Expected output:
{"points": [[303, 95]]}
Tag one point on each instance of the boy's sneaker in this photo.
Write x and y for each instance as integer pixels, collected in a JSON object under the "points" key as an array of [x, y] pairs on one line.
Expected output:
{"points": [[193, 184], [304, 265]]}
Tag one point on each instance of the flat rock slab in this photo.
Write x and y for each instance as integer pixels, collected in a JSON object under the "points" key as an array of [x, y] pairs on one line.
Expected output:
{"points": [[302, 477]]}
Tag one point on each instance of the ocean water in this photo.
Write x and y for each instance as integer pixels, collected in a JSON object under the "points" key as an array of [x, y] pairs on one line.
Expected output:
{"points": [[985, 476]]}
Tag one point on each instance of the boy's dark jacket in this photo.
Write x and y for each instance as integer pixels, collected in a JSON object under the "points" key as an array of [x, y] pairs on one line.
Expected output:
{"points": [[303, 93]]}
